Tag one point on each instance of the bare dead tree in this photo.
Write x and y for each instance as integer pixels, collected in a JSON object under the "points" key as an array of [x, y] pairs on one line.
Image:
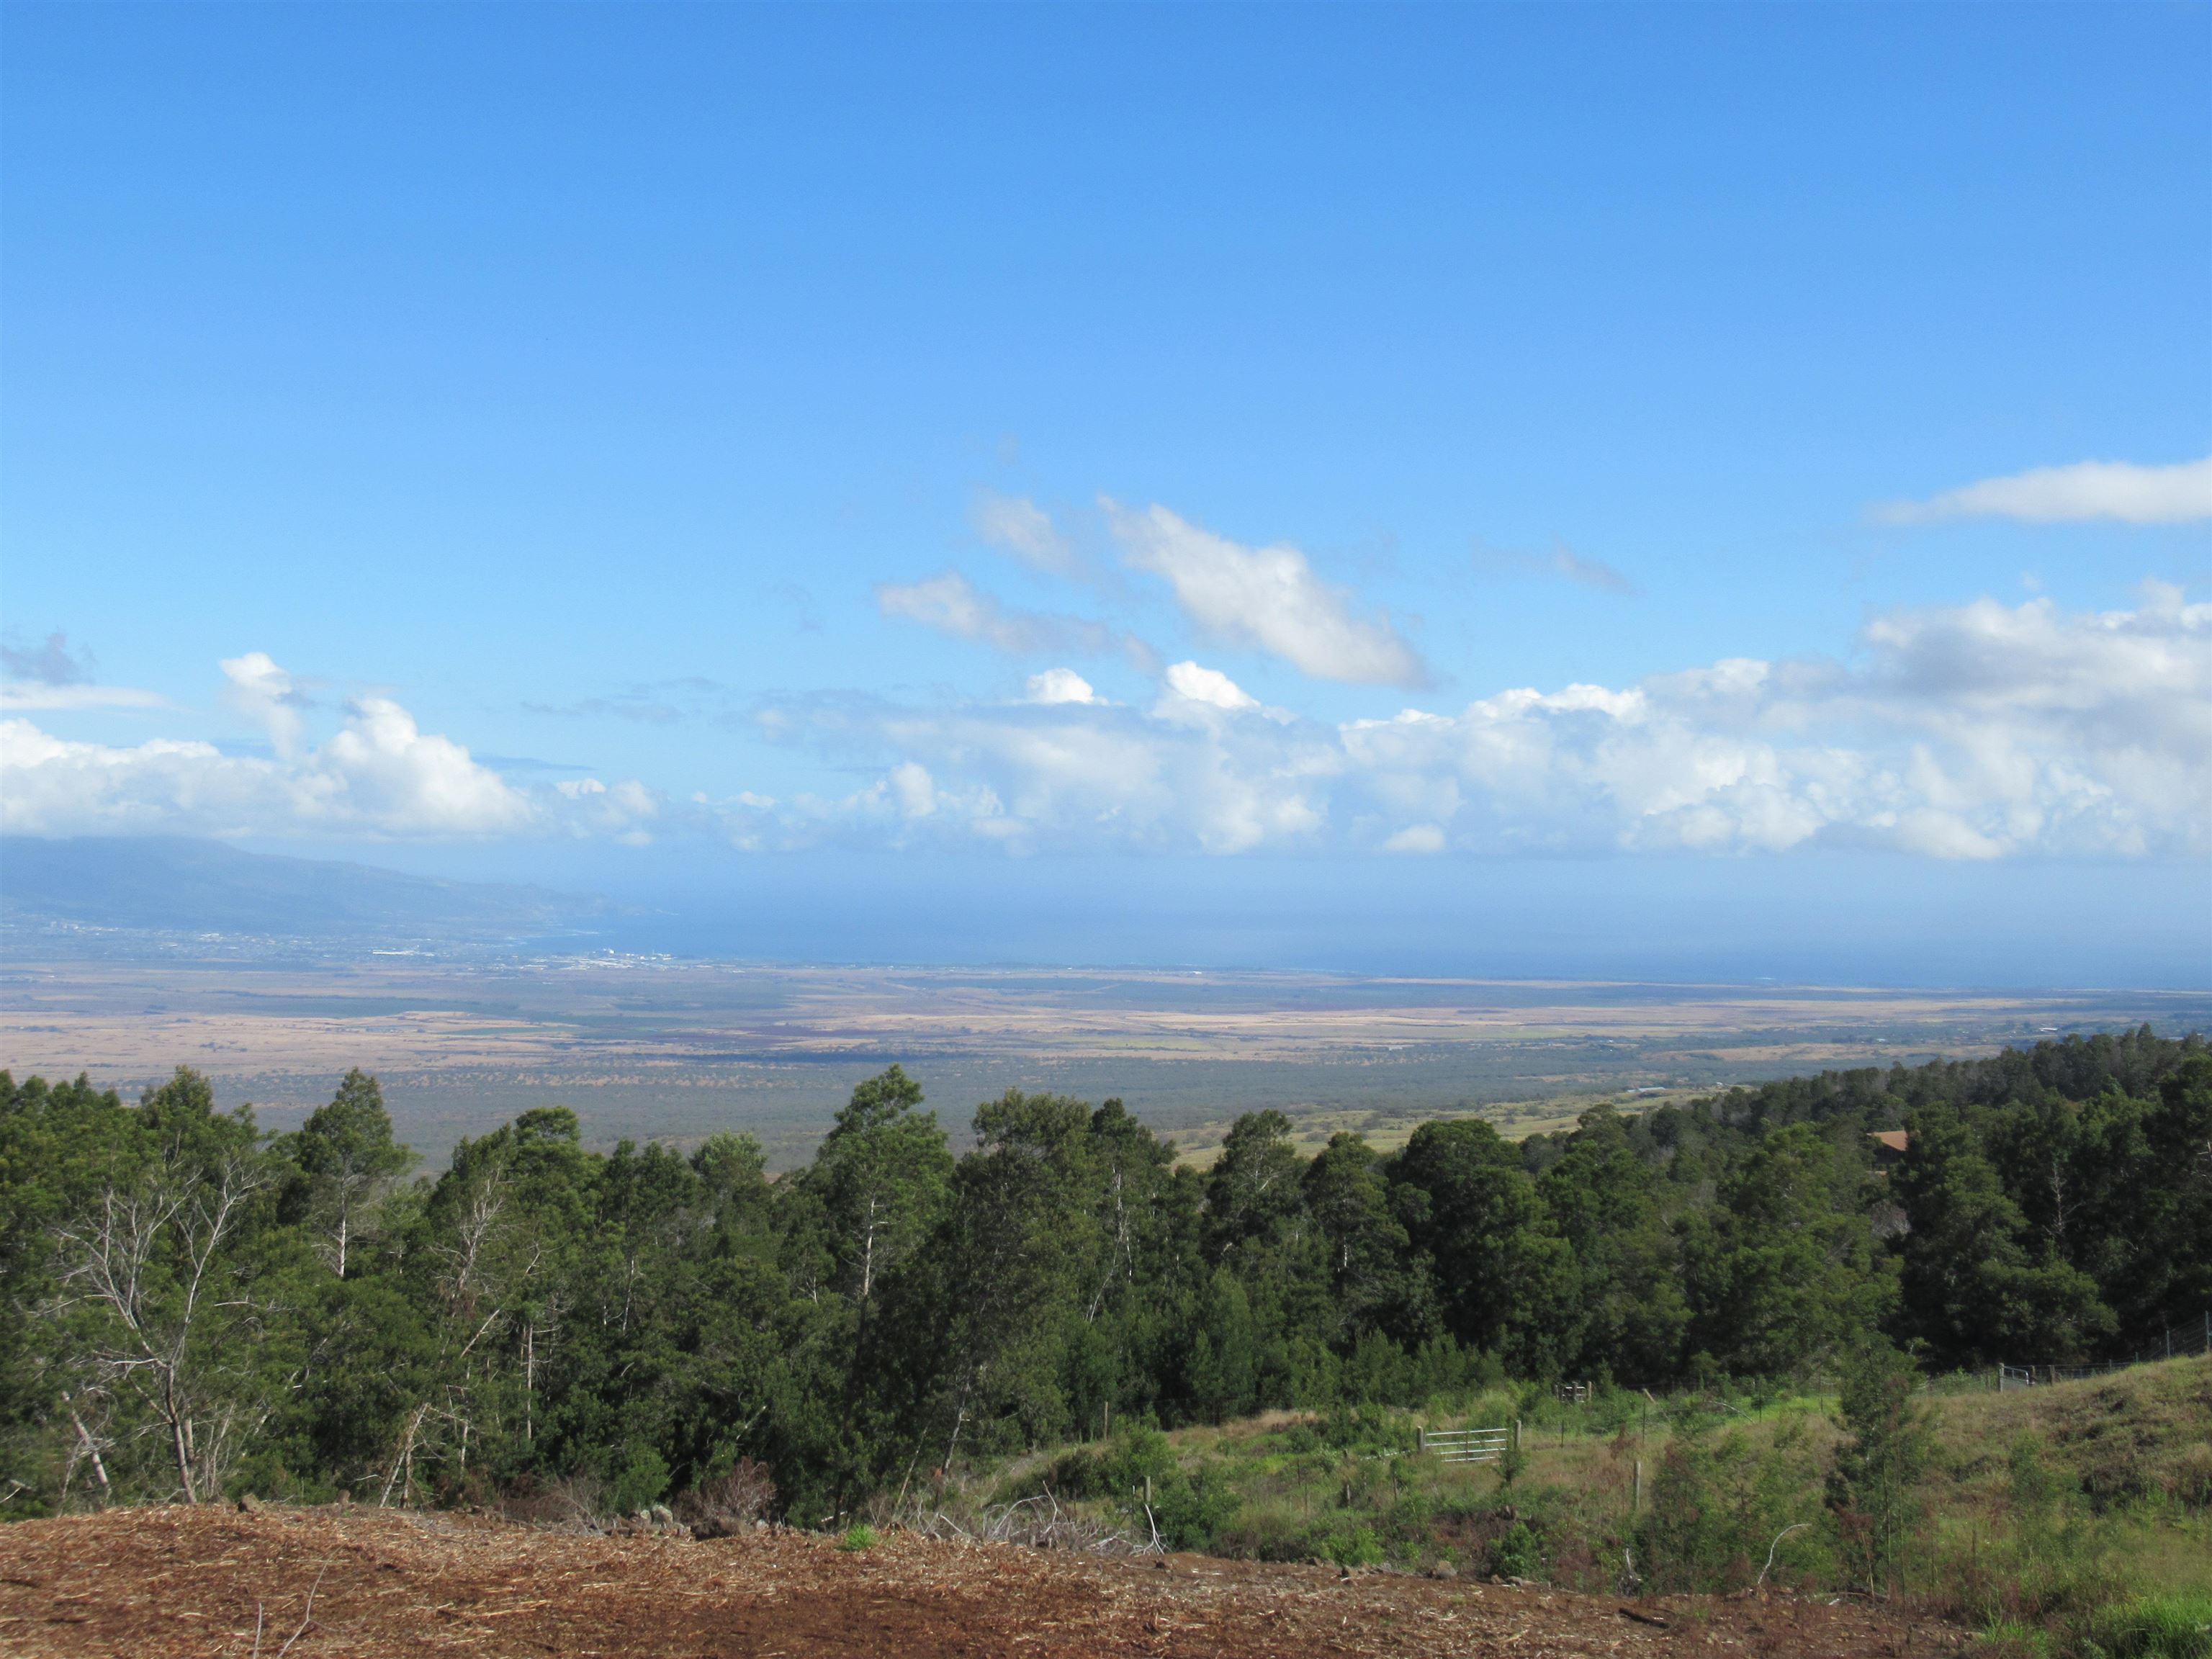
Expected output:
{"points": [[85, 1450], [147, 1261]]}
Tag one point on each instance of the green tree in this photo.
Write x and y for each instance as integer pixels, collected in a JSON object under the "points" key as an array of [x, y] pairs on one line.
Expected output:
{"points": [[1019, 1243], [347, 1160], [1978, 1283], [880, 1177], [1604, 1199], [1369, 1281], [1782, 1274], [1506, 1280], [1254, 1209], [168, 1281], [2174, 1216], [1222, 1374]]}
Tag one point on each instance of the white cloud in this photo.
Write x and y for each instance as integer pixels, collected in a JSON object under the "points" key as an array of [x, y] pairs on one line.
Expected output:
{"points": [[34, 696], [1969, 731], [1978, 731], [1016, 525], [52, 678], [1269, 598], [952, 605], [1059, 685], [1417, 838], [263, 694], [914, 789], [623, 810], [377, 774], [2087, 489], [1209, 686]]}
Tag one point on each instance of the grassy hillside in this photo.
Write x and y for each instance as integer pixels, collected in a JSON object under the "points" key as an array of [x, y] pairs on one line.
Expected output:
{"points": [[2068, 1519]]}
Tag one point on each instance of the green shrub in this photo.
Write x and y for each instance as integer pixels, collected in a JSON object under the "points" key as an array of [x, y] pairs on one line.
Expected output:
{"points": [[641, 1479], [1519, 1553], [1189, 1510], [1871, 1490], [858, 1536], [1137, 1453], [1365, 1430], [1355, 1546]]}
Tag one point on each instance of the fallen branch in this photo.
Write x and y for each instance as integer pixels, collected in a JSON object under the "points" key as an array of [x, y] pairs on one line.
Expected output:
{"points": [[305, 1616]]}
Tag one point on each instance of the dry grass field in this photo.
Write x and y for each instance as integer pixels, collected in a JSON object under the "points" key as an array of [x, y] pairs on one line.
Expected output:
{"points": [[654, 1047]]}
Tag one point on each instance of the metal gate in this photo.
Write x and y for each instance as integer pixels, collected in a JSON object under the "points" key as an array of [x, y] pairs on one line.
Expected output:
{"points": [[1465, 1445]]}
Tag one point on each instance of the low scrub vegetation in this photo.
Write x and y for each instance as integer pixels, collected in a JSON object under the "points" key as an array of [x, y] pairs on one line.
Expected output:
{"points": [[2071, 1519]]}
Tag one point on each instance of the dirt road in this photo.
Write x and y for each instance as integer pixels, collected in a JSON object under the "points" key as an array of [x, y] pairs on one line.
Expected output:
{"points": [[167, 1583]]}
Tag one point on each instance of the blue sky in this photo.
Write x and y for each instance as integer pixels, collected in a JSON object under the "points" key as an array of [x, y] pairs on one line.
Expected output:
{"points": [[750, 419]]}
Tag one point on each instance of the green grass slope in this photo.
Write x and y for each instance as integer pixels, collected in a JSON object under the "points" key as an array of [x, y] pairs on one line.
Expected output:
{"points": [[2071, 1519]]}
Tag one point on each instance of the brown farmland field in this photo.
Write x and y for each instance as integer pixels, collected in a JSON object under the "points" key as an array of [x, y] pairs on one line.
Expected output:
{"points": [[656, 1047]]}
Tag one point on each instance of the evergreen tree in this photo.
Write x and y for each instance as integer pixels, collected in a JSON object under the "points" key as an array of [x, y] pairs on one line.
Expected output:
{"points": [[1505, 1279], [346, 1158]]}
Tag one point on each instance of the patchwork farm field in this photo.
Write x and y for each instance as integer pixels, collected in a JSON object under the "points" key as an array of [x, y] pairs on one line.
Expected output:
{"points": [[656, 1047]]}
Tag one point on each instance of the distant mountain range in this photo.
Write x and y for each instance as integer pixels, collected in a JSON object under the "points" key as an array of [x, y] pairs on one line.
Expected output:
{"points": [[152, 887]]}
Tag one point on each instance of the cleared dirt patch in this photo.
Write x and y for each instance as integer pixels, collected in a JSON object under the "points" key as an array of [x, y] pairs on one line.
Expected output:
{"points": [[176, 1582]]}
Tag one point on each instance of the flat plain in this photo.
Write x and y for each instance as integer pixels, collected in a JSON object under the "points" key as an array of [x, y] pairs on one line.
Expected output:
{"points": [[662, 1048]]}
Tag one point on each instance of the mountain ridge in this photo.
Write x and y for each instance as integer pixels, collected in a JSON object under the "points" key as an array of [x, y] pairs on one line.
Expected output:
{"points": [[174, 884]]}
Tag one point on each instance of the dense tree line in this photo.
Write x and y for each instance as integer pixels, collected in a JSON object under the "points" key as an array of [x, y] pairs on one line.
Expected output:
{"points": [[193, 1307]]}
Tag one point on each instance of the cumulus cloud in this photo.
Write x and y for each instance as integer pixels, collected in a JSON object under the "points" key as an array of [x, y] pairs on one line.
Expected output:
{"points": [[1059, 685], [1968, 731], [1209, 686], [263, 694], [1017, 524], [1971, 732], [1268, 598], [2119, 490], [377, 774], [952, 605]]}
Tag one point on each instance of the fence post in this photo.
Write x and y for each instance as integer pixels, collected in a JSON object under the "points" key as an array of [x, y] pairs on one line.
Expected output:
{"points": [[1636, 1503], [1421, 1439]]}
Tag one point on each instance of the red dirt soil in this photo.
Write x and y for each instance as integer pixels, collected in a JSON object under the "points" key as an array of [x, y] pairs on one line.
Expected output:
{"points": [[163, 1582]]}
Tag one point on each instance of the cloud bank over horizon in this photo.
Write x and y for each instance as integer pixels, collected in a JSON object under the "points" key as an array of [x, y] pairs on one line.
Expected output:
{"points": [[1973, 732]]}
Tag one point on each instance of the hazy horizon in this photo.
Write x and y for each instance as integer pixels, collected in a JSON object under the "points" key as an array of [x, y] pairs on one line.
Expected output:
{"points": [[1869, 919]]}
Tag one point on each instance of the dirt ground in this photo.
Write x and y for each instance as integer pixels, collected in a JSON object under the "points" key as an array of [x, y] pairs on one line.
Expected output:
{"points": [[168, 1582]]}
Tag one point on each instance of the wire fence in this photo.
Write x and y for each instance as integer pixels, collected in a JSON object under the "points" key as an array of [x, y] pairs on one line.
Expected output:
{"points": [[2175, 1342]]}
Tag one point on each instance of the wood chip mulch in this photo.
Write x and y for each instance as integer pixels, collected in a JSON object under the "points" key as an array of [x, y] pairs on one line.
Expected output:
{"points": [[165, 1584]]}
